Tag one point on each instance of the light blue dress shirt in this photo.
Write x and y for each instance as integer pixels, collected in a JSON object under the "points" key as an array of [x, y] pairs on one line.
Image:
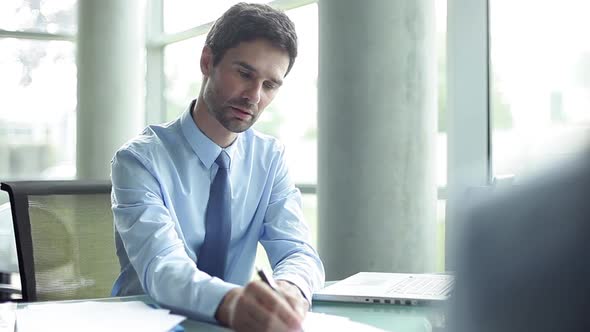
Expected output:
{"points": [[161, 183]]}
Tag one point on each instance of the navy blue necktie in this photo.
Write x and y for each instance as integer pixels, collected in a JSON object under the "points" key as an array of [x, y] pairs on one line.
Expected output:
{"points": [[213, 254]]}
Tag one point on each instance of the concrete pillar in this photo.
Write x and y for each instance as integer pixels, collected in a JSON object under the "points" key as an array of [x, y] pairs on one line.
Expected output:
{"points": [[376, 136], [111, 40]]}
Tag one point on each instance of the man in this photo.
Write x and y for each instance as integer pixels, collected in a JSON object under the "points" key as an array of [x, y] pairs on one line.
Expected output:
{"points": [[193, 197], [523, 263]]}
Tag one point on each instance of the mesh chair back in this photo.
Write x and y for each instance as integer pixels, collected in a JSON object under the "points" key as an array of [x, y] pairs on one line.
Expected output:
{"points": [[64, 237]]}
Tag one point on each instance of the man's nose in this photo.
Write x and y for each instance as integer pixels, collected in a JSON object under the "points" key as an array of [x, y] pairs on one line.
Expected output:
{"points": [[252, 93]]}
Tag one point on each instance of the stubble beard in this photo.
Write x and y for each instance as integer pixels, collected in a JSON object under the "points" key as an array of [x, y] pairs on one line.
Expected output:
{"points": [[222, 111]]}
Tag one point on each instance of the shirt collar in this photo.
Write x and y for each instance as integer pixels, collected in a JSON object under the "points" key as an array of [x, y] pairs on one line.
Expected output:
{"points": [[203, 146]]}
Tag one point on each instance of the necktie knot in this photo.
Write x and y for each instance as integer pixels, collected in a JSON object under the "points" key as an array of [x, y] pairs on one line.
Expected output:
{"points": [[222, 160]]}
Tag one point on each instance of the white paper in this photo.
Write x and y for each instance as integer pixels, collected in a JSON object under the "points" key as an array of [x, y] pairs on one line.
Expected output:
{"points": [[7, 316], [95, 316], [137, 316], [324, 322]]}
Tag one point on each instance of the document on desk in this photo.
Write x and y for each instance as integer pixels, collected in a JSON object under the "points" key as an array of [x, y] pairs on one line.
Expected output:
{"points": [[324, 322], [95, 316], [7, 316]]}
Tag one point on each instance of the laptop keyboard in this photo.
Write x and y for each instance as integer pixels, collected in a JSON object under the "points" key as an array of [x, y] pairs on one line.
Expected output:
{"points": [[427, 285]]}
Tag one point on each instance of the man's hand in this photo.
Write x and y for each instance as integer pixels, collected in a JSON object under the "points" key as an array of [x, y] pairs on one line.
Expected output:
{"points": [[257, 307], [293, 295]]}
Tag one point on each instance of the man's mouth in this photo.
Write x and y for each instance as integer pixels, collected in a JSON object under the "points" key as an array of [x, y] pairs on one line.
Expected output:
{"points": [[241, 113]]}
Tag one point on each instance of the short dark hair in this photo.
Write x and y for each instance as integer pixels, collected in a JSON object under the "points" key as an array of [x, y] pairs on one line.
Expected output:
{"points": [[246, 22]]}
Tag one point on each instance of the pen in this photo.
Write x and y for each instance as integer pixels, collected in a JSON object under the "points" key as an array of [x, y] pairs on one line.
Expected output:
{"points": [[268, 280]]}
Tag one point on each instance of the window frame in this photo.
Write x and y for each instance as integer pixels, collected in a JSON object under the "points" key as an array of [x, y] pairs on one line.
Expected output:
{"points": [[38, 36], [468, 107]]}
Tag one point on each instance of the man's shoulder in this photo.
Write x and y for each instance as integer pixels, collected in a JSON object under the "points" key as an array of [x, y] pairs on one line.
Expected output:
{"points": [[153, 140], [263, 141]]}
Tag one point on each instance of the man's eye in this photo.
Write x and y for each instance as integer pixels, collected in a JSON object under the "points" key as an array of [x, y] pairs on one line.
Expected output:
{"points": [[269, 86], [244, 74]]}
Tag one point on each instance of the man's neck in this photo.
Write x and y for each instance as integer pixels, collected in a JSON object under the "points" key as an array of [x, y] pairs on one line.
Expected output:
{"points": [[210, 126]]}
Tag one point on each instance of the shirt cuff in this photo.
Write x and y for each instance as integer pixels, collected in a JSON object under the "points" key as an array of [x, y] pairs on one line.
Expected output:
{"points": [[214, 295]]}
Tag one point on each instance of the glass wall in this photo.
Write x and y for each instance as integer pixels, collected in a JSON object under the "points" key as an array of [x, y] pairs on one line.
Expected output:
{"points": [[182, 74], [180, 15], [49, 16], [38, 104], [540, 83], [38, 84]]}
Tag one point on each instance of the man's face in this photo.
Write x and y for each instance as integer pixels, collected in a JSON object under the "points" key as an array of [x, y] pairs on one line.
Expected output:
{"points": [[243, 83]]}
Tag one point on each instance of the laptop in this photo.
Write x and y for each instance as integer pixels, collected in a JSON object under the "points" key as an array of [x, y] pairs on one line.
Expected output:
{"points": [[389, 288]]}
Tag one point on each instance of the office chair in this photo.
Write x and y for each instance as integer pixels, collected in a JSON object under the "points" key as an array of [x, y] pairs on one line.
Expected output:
{"points": [[64, 238]]}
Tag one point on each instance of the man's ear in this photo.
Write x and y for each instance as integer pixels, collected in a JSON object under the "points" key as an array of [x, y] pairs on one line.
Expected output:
{"points": [[206, 60]]}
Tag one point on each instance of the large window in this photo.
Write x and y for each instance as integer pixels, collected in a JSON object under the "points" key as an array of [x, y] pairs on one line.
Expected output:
{"points": [[180, 15], [38, 104], [519, 82], [182, 74], [540, 83], [41, 16], [38, 84]]}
